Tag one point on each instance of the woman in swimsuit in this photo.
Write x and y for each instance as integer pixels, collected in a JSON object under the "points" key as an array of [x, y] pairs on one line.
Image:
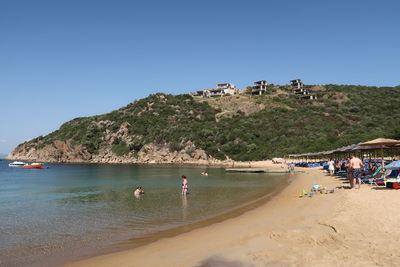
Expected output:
{"points": [[185, 187]]}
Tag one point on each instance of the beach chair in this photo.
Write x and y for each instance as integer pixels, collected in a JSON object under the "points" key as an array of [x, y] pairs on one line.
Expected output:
{"points": [[381, 181], [366, 178], [341, 173], [377, 171], [394, 174]]}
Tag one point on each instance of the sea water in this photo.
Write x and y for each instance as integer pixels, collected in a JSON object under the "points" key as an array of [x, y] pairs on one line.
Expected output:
{"points": [[68, 211]]}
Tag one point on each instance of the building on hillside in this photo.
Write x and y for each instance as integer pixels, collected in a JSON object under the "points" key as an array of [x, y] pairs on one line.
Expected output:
{"points": [[222, 89], [302, 92], [259, 87], [228, 88], [212, 92], [312, 97], [296, 83], [197, 93]]}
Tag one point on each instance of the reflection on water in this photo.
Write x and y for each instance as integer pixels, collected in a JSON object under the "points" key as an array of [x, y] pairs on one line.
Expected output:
{"points": [[184, 207], [95, 205]]}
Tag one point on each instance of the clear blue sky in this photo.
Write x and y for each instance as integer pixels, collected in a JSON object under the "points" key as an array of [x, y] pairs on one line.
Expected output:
{"points": [[65, 59]]}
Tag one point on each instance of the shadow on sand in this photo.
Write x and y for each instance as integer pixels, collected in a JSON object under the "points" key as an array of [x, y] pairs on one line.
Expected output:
{"points": [[219, 262]]}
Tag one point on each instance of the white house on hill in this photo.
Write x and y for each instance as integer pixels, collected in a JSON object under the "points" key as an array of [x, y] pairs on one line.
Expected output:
{"points": [[222, 89]]}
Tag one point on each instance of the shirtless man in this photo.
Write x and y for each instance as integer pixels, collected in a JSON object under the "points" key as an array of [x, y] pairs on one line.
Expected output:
{"points": [[356, 165]]}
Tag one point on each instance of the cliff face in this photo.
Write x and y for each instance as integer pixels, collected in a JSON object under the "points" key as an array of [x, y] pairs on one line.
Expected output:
{"points": [[64, 151], [67, 151]]}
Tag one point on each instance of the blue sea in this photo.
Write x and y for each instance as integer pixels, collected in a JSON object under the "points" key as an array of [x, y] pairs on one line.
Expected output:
{"points": [[70, 211]]}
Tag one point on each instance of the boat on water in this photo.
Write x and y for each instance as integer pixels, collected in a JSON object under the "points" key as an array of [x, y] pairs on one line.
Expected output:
{"points": [[33, 166], [16, 164]]}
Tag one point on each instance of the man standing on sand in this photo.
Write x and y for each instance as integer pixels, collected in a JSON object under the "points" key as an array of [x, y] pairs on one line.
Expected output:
{"points": [[356, 165]]}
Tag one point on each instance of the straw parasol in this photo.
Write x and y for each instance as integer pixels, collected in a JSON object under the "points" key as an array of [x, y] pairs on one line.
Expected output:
{"points": [[381, 143]]}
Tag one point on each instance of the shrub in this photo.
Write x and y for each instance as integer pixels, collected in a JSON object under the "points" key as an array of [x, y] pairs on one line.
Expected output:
{"points": [[120, 149]]}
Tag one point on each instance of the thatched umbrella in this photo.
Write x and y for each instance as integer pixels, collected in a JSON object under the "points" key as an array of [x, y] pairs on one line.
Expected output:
{"points": [[381, 143]]}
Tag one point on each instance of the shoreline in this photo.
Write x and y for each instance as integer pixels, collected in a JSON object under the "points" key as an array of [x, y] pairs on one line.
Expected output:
{"points": [[232, 213], [351, 227], [200, 163], [147, 239], [271, 203]]}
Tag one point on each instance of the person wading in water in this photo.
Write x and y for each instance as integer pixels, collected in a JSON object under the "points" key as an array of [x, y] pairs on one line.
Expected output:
{"points": [[185, 187]]}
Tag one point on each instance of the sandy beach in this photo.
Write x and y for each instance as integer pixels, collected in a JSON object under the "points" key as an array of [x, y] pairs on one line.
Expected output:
{"points": [[349, 227]]}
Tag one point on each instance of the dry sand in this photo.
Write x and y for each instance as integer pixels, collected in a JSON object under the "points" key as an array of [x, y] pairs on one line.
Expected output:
{"points": [[349, 227]]}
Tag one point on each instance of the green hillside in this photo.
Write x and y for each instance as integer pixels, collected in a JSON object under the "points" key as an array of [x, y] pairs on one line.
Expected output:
{"points": [[245, 127]]}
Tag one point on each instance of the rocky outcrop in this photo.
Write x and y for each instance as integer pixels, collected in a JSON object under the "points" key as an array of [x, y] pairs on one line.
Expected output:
{"points": [[65, 151], [58, 151]]}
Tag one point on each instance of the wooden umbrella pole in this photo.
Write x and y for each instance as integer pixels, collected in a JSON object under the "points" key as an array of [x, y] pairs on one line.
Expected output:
{"points": [[370, 163]]}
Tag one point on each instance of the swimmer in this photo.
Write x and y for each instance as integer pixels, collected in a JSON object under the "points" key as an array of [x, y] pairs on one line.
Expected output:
{"points": [[204, 173], [139, 191]]}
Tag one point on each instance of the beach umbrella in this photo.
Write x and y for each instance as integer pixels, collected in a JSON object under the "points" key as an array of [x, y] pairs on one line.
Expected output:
{"points": [[393, 166], [368, 148], [363, 148], [381, 143]]}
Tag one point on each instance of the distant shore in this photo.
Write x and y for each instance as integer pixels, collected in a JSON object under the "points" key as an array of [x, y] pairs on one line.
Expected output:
{"points": [[227, 163]]}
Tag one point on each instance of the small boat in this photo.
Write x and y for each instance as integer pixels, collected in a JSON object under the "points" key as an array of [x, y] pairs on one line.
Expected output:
{"points": [[16, 164], [33, 166]]}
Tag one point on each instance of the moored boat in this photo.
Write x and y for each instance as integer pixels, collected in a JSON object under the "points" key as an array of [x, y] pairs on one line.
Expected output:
{"points": [[34, 166], [16, 164]]}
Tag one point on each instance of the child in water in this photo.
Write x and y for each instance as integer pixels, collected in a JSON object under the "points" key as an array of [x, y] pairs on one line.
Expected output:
{"points": [[139, 191], [185, 187]]}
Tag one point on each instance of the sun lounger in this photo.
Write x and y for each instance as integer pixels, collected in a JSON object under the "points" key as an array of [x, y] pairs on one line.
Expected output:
{"points": [[377, 181], [341, 173]]}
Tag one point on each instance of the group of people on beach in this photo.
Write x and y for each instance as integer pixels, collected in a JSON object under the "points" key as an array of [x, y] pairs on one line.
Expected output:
{"points": [[352, 165]]}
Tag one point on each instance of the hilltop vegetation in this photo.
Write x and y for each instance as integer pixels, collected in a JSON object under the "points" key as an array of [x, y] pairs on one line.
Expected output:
{"points": [[241, 127]]}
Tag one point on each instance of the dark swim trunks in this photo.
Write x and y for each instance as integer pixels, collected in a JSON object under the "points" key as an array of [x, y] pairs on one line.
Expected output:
{"points": [[357, 173]]}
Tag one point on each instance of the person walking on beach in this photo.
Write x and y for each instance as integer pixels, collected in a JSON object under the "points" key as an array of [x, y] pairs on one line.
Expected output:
{"points": [[331, 167], [185, 187], [356, 165]]}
